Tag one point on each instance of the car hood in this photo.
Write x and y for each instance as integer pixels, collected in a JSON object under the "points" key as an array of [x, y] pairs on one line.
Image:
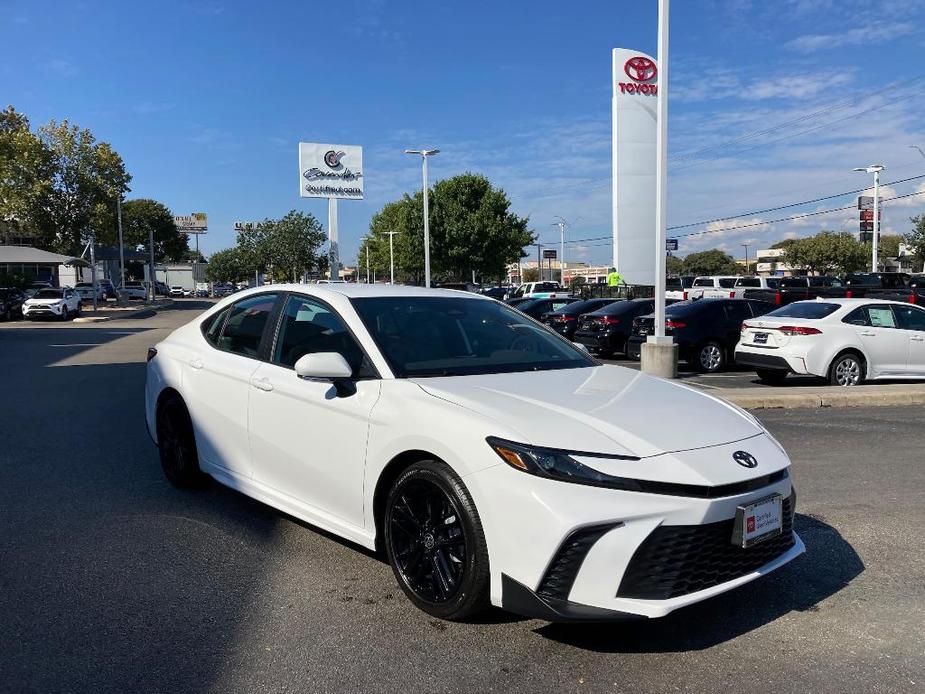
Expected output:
{"points": [[603, 409], [41, 302]]}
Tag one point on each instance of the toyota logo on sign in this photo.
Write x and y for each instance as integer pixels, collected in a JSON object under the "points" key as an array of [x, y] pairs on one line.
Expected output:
{"points": [[640, 69], [745, 459]]}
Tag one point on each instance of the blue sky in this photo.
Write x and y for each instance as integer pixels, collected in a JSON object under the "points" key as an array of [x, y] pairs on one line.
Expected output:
{"points": [[207, 100]]}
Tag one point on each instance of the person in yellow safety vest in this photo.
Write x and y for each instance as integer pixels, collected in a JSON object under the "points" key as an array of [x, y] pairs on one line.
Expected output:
{"points": [[614, 278]]}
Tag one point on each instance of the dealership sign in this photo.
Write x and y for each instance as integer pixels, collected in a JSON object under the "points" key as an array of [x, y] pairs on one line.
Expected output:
{"points": [[196, 223], [634, 84], [330, 171]]}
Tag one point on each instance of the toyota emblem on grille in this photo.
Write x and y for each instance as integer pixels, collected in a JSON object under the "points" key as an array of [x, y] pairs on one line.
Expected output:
{"points": [[745, 459]]}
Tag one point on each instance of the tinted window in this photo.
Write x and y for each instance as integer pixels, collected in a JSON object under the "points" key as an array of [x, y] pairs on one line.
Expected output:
{"points": [[738, 311], [861, 280], [805, 309], [748, 282], [309, 327], [703, 282], [577, 307], [673, 283], [773, 283], [910, 318], [727, 282], [873, 316], [438, 336], [212, 328], [49, 294], [245, 325], [793, 282]]}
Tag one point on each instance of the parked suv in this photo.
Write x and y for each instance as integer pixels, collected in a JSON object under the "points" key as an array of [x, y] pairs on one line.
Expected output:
{"points": [[706, 331], [11, 301]]}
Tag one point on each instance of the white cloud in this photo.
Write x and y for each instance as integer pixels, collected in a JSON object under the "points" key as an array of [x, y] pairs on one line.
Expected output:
{"points": [[861, 35]]}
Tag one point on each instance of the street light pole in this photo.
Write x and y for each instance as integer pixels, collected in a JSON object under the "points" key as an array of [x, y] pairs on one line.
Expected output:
{"points": [[561, 224], [391, 256], [424, 153], [745, 246], [875, 169], [367, 263]]}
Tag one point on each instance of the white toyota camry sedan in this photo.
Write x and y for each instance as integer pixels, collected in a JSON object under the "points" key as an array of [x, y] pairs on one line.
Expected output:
{"points": [[491, 460]]}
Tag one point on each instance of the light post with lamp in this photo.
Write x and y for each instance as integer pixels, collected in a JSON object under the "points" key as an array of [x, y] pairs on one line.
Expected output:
{"points": [[875, 169], [424, 153]]}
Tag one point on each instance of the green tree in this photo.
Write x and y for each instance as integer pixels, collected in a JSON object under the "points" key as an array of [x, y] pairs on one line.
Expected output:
{"points": [[140, 217], [26, 169], [86, 173], [712, 262], [286, 246], [229, 265], [576, 283], [674, 265], [915, 239], [889, 245], [530, 274], [827, 251]]}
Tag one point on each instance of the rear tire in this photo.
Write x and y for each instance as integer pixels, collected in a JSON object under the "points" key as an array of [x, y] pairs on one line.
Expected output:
{"points": [[846, 370], [435, 543], [771, 376], [65, 314], [176, 444], [710, 357]]}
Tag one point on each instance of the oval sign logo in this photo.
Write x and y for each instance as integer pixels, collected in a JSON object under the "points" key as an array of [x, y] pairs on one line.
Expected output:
{"points": [[745, 459]]}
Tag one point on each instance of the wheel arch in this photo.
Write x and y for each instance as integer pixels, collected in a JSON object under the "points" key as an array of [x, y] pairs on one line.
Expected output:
{"points": [[857, 351], [397, 465]]}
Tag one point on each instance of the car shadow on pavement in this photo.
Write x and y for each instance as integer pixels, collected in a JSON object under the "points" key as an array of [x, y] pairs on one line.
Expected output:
{"points": [[829, 564]]}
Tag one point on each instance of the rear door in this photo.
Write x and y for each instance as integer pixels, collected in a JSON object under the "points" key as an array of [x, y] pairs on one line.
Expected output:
{"points": [[736, 312], [217, 381], [887, 346], [911, 321]]}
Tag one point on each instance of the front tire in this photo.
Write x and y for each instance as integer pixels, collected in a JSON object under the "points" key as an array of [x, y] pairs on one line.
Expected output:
{"points": [[434, 542], [176, 444], [846, 370], [64, 314]]}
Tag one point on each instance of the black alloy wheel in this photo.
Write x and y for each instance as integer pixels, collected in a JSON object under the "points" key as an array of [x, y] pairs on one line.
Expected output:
{"points": [[434, 542], [176, 444], [711, 357], [64, 313]]}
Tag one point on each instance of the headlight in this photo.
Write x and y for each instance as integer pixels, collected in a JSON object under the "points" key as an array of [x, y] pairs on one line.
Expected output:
{"points": [[558, 465]]}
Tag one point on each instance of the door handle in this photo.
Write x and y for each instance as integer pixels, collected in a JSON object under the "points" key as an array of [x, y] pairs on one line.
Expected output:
{"points": [[196, 363], [869, 334], [916, 338], [262, 384]]}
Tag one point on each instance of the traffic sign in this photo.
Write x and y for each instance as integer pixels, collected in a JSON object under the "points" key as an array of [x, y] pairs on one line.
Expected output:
{"points": [[549, 253], [671, 244], [865, 202], [868, 215]]}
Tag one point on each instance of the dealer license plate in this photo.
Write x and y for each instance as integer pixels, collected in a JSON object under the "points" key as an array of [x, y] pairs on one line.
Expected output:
{"points": [[758, 521], [761, 338]]}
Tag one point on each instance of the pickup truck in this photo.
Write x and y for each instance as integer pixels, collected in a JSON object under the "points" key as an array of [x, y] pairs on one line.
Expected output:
{"points": [[677, 287], [878, 285], [742, 284], [703, 284], [799, 288]]}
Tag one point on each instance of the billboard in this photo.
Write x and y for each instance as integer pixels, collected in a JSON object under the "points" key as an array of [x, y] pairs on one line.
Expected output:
{"points": [[634, 93], [196, 223], [330, 171]]}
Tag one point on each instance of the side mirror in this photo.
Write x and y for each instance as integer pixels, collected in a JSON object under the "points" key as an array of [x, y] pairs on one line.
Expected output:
{"points": [[323, 366]]}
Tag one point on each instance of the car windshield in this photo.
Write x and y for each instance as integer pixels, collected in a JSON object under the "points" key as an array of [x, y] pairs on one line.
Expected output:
{"points": [[805, 309], [457, 336], [48, 294]]}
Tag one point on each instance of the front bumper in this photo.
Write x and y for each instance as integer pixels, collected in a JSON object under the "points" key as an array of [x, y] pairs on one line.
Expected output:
{"points": [[41, 311], [562, 551]]}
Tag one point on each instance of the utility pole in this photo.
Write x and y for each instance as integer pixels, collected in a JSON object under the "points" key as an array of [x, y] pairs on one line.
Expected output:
{"points": [[367, 263], [151, 259], [745, 246], [391, 256], [875, 169], [424, 154], [539, 260], [561, 224], [93, 269]]}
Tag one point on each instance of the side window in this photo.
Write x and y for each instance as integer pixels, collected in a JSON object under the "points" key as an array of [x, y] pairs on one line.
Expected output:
{"points": [[910, 318], [211, 329], [738, 311], [881, 317], [245, 325], [307, 327], [857, 317], [727, 282], [748, 282]]}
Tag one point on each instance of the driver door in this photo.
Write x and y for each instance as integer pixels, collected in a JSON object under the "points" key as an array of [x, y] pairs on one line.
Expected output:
{"points": [[306, 442]]}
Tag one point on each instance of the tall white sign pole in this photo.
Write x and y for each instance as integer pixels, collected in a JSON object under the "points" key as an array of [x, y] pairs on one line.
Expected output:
{"points": [[333, 250], [875, 258], [426, 227], [661, 171]]}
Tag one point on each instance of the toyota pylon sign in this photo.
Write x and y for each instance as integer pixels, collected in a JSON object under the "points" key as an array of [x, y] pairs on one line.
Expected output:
{"points": [[330, 171], [635, 90]]}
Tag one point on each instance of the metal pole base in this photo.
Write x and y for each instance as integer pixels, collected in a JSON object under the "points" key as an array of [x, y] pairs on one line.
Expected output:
{"points": [[660, 358]]}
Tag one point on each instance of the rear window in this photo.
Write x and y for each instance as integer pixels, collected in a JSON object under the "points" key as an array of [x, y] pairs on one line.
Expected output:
{"points": [[794, 282], [812, 310], [727, 282], [703, 282], [673, 283], [748, 282]]}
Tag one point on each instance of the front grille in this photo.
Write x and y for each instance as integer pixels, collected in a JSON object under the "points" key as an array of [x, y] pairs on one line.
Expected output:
{"points": [[680, 559], [559, 577]]}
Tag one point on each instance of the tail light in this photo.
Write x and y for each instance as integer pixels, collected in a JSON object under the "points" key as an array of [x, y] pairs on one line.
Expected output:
{"points": [[777, 298], [745, 326], [684, 296], [849, 294], [732, 295], [912, 298], [563, 319], [799, 330], [152, 352], [608, 320], [674, 324]]}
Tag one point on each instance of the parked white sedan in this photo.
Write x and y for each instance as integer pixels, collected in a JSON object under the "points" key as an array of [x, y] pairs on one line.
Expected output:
{"points": [[488, 457], [844, 340], [52, 303]]}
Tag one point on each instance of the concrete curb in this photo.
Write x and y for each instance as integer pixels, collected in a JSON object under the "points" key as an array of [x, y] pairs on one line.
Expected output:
{"points": [[122, 315], [793, 398]]}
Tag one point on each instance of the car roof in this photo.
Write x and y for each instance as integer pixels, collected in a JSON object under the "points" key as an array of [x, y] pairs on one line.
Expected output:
{"points": [[854, 301], [357, 291]]}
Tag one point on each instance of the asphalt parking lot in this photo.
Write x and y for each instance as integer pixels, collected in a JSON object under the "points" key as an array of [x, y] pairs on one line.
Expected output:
{"points": [[113, 581]]}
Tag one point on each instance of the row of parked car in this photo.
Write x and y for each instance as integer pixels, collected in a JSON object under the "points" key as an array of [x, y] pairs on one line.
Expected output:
{"points": [[845, 340]]}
